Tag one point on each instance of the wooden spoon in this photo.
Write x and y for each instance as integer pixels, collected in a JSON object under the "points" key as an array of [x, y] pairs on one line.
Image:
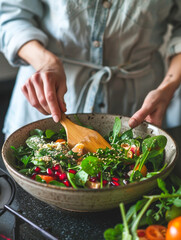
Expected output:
{"points": [[91, 139]]}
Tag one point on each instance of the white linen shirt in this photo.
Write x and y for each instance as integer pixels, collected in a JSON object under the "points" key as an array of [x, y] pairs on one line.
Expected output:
{"points": [[110, 51]]}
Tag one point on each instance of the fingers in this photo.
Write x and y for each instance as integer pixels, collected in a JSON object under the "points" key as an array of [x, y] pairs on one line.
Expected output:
{"points": [[152, 113], [31, 95], [51, 97], [45, 91], [138, 117]]}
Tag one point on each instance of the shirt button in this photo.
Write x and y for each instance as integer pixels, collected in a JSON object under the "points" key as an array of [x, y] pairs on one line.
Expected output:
{"points": [[106, 4], [96, 43]]}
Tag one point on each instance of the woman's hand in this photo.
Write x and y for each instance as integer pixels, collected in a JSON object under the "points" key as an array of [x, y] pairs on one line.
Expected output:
{"points": [[157, 101], [153, 108], [45, 89]]}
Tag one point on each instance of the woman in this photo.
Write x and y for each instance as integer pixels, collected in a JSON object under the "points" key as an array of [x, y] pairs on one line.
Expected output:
{"points": [[95, 56]]}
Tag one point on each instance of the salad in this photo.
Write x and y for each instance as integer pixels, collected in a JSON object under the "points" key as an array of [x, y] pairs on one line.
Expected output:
{"points": [[47, 158]]}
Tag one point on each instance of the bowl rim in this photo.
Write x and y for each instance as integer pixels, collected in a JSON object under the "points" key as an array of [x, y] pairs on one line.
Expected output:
{"points": [[130, 185]]}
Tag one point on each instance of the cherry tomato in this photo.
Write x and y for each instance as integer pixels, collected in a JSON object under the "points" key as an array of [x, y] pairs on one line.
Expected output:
{"points": [[174, 229], [143, 170], [156, 232], [172, 213]]}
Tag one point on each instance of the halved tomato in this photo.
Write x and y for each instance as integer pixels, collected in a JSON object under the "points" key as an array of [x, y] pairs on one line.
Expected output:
{"points": [[156, 232]]}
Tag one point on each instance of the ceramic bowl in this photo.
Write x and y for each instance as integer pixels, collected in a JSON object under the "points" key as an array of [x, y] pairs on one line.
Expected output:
{"points": [[87, 200]]}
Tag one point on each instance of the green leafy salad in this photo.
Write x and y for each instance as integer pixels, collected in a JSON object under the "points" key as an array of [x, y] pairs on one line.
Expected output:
{"points": [[47, 158]]}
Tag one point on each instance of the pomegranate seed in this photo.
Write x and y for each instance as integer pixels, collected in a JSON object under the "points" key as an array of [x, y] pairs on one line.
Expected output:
{"points": [[114, 183], [57, 167], [62, 176], [33, 176], [105, 182], [92, 179], [53, 168], [57, 173], [37, 169], [67, 183], [72, 171], [115, 179], [50, 172]]}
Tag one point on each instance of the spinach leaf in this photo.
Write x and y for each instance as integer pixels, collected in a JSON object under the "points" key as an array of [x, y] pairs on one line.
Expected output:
{"points": [[155, 145], [81, 178], [21, 151], [36, 132], [25, 160], [91, 165], [127, 135], [157, 161], [49, 133], [56, 183], [33, 141], [116, 128]]}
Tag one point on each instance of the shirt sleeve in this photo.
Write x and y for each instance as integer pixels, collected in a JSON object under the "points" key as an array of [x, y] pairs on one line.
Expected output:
{"points": [[174, 46], [19, 20]]}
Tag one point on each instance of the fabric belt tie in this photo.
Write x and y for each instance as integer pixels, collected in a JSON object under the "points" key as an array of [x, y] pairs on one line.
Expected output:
{"points": [[102, 76]]}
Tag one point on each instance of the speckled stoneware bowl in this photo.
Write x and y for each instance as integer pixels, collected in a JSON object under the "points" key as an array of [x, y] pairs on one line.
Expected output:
{"points": [[87, 200]]}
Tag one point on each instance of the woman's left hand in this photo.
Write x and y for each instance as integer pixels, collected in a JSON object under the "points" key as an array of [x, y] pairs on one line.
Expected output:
{"points": [[153, 108]]}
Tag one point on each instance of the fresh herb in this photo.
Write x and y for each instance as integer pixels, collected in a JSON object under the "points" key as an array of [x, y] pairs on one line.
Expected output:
{"points": [[149, 210]]}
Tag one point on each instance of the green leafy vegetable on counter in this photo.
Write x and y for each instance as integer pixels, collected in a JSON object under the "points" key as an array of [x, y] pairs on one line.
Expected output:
{"points": [[152, 209]]}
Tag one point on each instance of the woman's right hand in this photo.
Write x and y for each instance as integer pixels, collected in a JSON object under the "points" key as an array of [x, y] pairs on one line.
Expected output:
{"points": [[46, 88]]}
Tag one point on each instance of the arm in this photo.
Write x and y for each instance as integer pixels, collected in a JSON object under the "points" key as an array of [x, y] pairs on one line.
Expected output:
{"points": [[46, 88], [157, 101]]}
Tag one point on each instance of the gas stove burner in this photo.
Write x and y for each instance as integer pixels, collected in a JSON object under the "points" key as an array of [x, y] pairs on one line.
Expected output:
{"points": [[7, 193], [7, 190]]}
